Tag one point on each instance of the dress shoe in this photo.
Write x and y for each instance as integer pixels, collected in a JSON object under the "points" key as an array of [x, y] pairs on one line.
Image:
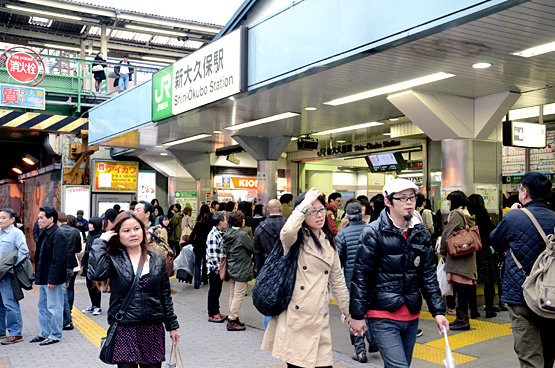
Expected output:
{"points": [[360, 357], [37, 339], [242, 324], [12, 340], [68, 327], [490, 314], [232, 325], [196, 286], [49, 342], [475, 314]]}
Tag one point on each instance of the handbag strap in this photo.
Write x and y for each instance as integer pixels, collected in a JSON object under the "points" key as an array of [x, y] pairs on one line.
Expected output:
{"points": [[263, 226], [464, 218], [119, 315], [540, 230]]}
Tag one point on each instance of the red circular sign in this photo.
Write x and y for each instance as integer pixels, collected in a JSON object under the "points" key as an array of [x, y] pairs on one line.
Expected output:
{"points": [[22, 67]]}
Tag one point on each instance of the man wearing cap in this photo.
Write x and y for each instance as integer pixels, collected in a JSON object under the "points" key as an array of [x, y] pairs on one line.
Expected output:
{"points": [[394, 267], [82, 224]]}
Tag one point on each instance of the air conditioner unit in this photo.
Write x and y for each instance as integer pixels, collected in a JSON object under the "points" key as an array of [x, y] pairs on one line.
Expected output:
{"points": [[307, 144]]}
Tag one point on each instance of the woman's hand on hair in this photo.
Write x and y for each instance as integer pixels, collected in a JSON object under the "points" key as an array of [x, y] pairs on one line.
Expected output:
{"points": [[108, 235], [312, 195], [174, 335]]}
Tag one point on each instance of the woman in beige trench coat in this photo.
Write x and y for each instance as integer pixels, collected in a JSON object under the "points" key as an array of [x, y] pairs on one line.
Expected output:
{"points": [[300, 335]]}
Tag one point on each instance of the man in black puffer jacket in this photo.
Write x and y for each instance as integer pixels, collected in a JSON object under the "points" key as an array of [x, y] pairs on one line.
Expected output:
{"points": [[394, 266], [534, 336]]}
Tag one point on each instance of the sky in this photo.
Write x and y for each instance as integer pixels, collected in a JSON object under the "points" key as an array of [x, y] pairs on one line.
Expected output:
{"points": [[207, 11]]}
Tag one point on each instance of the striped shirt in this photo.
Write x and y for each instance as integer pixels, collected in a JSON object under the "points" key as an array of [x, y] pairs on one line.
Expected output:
{"points": [[214, 249]]}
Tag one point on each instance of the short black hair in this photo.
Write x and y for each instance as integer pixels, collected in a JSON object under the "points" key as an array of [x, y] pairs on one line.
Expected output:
{"points": [[9, 211], [217, 218], [117, 207], [537, 184], [458, 199], [230, 206], [258, 209], [367, 207], [178, 206], [148, 207], [286, 198], [334, 196], [213, 204], [50, 212], [420, 198], [360, 197]]}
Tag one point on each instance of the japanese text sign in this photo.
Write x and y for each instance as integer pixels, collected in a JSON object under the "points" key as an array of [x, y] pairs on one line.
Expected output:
{"points": [[112, 176], [233, 182], [23, 97], [207, 75], [22, 67]]}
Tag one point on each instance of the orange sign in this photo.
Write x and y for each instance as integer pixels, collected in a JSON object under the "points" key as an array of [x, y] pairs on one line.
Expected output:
{"points": [[234, 182], [113, 176]]}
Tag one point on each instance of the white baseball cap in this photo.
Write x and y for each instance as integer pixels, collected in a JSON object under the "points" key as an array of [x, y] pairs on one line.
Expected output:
{"points": [[398, 185]]}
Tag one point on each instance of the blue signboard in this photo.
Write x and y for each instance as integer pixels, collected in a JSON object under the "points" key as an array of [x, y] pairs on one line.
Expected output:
{"points": [[23, 97]]}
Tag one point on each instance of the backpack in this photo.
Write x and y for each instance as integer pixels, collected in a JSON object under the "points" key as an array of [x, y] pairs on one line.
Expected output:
{"points": [[539, 286]]}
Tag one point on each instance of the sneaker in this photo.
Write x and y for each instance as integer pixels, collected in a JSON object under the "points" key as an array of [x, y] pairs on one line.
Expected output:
{"points": [[68, 327], [89, 309], [234, 326], [451, 311], [12, 340], [97, 311], [360, 357], [419, 332], [242, 324]]}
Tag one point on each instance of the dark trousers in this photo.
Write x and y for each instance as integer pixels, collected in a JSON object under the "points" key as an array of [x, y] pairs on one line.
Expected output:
{"points": [[69, 295], [94, 293], [200, 262], [489, 295], [174, 245], [464, 293], [214, 293]]}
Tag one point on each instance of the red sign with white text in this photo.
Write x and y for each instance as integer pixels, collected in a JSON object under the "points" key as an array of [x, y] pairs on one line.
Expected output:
{"points": [[23, 67]]}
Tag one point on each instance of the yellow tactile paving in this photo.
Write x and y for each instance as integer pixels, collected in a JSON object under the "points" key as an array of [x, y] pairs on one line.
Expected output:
{"points": [[436, 355], [92, 330]]}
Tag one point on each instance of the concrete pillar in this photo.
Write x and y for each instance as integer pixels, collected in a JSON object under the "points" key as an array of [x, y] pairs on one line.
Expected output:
{"points": [[267, 180], [197, 165], [103, 41]]}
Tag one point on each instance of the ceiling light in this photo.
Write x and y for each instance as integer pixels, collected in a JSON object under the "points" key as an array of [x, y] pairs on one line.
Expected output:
{"points": [[310, 108], [481, 65], [188, 139], [394, 119], [62, 47], [155, 30], [294, 139], [162, 60], [218, 132], [30, 160], [269, 119], [391, 88], [40, 21], [411, 175], [158, 146], [340, 141], [387, 134], [163, 154], [17, 169], [352, 127], [538, 50], [47, 13]]}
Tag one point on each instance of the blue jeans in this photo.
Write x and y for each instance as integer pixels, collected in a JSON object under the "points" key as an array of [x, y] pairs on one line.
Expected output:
{"points": [[267, 320], [395, 339], [51, 312], [123, 81], [69, 295], [10, 313]]}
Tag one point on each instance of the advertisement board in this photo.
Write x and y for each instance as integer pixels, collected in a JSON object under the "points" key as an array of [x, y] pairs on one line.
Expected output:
{"points": [[75, 198], [114, 176], [146, 187], [22, 97], [187, 198]]}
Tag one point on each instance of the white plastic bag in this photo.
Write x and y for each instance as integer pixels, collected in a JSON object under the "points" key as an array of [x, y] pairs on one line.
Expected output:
{"points": [[444, 286]]}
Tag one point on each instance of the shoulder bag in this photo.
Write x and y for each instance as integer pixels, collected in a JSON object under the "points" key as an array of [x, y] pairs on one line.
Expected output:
{"points": [[224, 276], [107, 343], [464, 241]]}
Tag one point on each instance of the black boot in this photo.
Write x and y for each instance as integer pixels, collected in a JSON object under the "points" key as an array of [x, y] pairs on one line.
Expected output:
{"points": [[461, 323]]}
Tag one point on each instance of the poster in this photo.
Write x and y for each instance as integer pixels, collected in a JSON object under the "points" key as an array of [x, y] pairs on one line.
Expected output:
{"points": [[444, 193], [490, 193], [146, 186], [187, 198], [114, 176], [75, 198]]}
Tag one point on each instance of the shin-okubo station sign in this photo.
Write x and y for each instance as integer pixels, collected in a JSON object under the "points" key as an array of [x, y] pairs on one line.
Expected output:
{"points": [[214, 72], [113, 176]]}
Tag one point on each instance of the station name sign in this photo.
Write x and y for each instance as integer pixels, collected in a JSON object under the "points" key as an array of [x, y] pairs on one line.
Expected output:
{"points": [[210, 74], [347, 148]]}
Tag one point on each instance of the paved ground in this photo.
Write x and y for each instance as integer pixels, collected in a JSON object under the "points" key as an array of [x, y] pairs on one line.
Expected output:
{"points": [[203, 344]]}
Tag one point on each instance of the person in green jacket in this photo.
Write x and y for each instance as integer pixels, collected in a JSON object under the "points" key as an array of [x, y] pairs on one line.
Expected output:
{"points": [[238, 248], [175, 225]]}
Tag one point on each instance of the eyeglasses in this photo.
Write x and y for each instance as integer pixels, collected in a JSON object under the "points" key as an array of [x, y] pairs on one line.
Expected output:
{"points": [[405, 199], [321, 211]]}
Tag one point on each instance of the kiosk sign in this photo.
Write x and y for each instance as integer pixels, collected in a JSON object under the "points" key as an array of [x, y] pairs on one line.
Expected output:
{"points": [[22, 67], [207, 75]]}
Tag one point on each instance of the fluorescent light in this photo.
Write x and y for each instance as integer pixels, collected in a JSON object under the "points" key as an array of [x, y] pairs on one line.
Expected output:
{"points": [[218, 132], [310, 108], [387, 134], [411, 175], [17, 170], [294, 139], [269, 119], [481, 65], [163, 154], [47, 13], [394, 119], [158, 146], [352, 127], [534, 51], [340, 141], [188, 139], [391, 88], [155, 30], [162, 60], [62, 47], [30, 159]]}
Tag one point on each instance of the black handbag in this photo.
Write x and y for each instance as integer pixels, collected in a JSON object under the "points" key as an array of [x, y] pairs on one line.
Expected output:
{"points": [[274, 285], [107, 343]]}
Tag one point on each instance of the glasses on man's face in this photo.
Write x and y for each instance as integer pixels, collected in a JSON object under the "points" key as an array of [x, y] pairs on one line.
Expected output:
{"points": [[405, 199], [321, 211]]}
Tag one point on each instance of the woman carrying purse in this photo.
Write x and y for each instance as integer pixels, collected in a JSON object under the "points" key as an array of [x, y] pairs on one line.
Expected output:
{"points": [[187, 225]]}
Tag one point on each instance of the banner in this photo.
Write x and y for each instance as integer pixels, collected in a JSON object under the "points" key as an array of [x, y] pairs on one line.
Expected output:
{"points": [[22, 97]]}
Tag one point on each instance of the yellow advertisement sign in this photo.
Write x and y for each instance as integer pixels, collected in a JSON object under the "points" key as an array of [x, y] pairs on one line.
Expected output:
{"points": [[113, 176]]}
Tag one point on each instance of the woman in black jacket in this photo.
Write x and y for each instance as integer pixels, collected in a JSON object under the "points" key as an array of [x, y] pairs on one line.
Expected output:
{"points": [[95, 230], [99, 75], [117, 255], [198, 239]]}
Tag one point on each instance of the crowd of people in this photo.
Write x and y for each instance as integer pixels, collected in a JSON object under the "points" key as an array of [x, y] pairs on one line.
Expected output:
{"points": [[376, 256]]}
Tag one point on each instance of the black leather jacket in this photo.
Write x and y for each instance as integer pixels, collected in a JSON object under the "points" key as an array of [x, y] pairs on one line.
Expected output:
{"points": [[390, 271], [148, 306]]}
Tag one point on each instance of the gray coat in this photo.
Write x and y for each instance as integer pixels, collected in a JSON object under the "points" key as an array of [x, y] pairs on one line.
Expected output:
{"points": [[464, 265], [347, 244]]}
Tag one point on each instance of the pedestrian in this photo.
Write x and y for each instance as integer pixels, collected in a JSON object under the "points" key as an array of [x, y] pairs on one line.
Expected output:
{"points": [[301, 335], [95, 230], [378, 205], [334, 203], [461, 271], [11, 240], [265, 236], [124, 73], [117, 255], [214, 207], [198, 237], [394, 268], [246, 208], [50, 274], [534, 336], [73, 245], [425, 212], [98, 71], [82, 224], [366, 210], [158, 212], [175, 224], [344, 219], [259, 213], [238, 247], [187, 225], [286, 200], [108, 219], [347, 245], [213, 258]]}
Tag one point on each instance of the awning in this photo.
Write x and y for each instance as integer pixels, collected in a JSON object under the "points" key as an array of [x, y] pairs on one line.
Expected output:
{"points": [[44, 122]]}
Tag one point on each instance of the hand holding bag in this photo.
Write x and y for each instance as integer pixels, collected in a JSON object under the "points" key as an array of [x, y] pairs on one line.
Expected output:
{"points": [[464, 241], [107, 343], [173, 358], [224, 276], [97, 68]]}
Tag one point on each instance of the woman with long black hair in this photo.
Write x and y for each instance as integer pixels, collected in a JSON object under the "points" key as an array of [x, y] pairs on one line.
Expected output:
{"points": [[301, 334], [198, 239]]}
